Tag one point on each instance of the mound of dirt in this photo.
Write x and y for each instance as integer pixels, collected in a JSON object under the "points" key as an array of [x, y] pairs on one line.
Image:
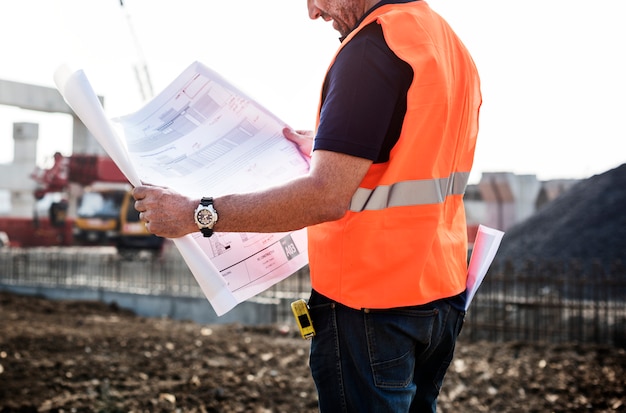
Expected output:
{"points": [[64, 356], [586, 223]]}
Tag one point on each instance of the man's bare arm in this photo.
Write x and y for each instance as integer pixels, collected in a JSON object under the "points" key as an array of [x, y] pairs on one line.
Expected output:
{"points": [[322, 195]]}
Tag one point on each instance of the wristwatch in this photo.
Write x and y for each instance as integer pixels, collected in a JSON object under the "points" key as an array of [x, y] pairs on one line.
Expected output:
{"points": [[205, 216]]}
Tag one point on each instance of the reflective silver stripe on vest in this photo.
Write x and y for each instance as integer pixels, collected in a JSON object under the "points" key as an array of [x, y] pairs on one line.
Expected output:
{"points": [[409, 193]]}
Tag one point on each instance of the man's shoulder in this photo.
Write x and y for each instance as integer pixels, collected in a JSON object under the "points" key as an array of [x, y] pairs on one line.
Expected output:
{"points": [[371, 32], [368, 41], [369, 48]]}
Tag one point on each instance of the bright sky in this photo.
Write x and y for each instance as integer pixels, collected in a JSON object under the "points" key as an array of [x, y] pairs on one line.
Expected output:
{"points": [[553, 72]]}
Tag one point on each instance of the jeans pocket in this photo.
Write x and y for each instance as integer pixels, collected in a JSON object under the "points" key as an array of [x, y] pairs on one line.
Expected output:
{"points": [[395, 338]]}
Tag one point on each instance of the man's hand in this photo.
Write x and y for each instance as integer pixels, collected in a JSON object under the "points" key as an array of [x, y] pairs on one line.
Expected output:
{"points": [[166, 213], [302, 138]]}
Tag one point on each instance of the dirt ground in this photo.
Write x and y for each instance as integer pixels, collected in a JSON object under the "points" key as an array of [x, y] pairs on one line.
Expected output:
{"points": [[62, 356]]}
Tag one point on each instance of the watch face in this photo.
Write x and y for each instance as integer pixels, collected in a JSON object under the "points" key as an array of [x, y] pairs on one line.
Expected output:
{"points": [[204, 217]]}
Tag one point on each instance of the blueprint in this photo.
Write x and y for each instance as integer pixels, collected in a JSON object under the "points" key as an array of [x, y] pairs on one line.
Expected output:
{"points": [[485, 248], [203, 136]]}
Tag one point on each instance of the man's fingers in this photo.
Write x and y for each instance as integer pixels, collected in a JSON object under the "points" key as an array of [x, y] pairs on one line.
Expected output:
{"points": [[139, 193], [297, 135]]}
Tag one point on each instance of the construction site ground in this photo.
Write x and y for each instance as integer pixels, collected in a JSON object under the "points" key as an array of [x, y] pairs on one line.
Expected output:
{"points": [[68, 356]]}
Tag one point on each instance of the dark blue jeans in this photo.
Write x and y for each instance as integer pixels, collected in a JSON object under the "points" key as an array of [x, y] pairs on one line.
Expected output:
{"points": [[379, 361]]}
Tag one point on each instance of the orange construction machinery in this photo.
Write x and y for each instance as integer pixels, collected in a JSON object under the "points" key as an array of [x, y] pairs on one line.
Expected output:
{"points": [[96, 203]]}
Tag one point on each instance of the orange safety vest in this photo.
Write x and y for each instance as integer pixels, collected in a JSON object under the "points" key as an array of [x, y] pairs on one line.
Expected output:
{"points": [[404, 239]]}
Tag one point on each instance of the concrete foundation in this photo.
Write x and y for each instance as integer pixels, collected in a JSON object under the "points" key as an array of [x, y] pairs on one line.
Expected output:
{"points": [[178, 308]]}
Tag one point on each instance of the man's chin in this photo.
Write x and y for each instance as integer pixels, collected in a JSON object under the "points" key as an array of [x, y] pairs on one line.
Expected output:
{"points": [[340, 29]]}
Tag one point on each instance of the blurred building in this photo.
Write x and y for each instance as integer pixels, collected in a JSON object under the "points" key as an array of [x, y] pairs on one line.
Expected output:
{"points": [[16, 177], [503, 199]]}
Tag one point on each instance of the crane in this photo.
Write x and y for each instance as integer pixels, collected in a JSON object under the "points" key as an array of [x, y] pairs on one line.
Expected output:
{"points": [[142, 74]]}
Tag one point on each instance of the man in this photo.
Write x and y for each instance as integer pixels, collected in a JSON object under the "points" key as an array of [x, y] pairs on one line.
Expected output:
{"points": [[382, 201]]}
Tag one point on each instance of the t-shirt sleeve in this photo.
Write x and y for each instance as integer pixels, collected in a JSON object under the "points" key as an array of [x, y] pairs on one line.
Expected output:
{"points": [[361, 95]]}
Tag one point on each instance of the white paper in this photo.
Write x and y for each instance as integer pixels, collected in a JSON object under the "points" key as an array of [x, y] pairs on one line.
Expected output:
{"points": [[486, 245], [202, 136], [80, 96]]}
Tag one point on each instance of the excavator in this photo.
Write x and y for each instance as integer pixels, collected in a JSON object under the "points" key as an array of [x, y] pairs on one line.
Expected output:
{"points": [[104, 207]]}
